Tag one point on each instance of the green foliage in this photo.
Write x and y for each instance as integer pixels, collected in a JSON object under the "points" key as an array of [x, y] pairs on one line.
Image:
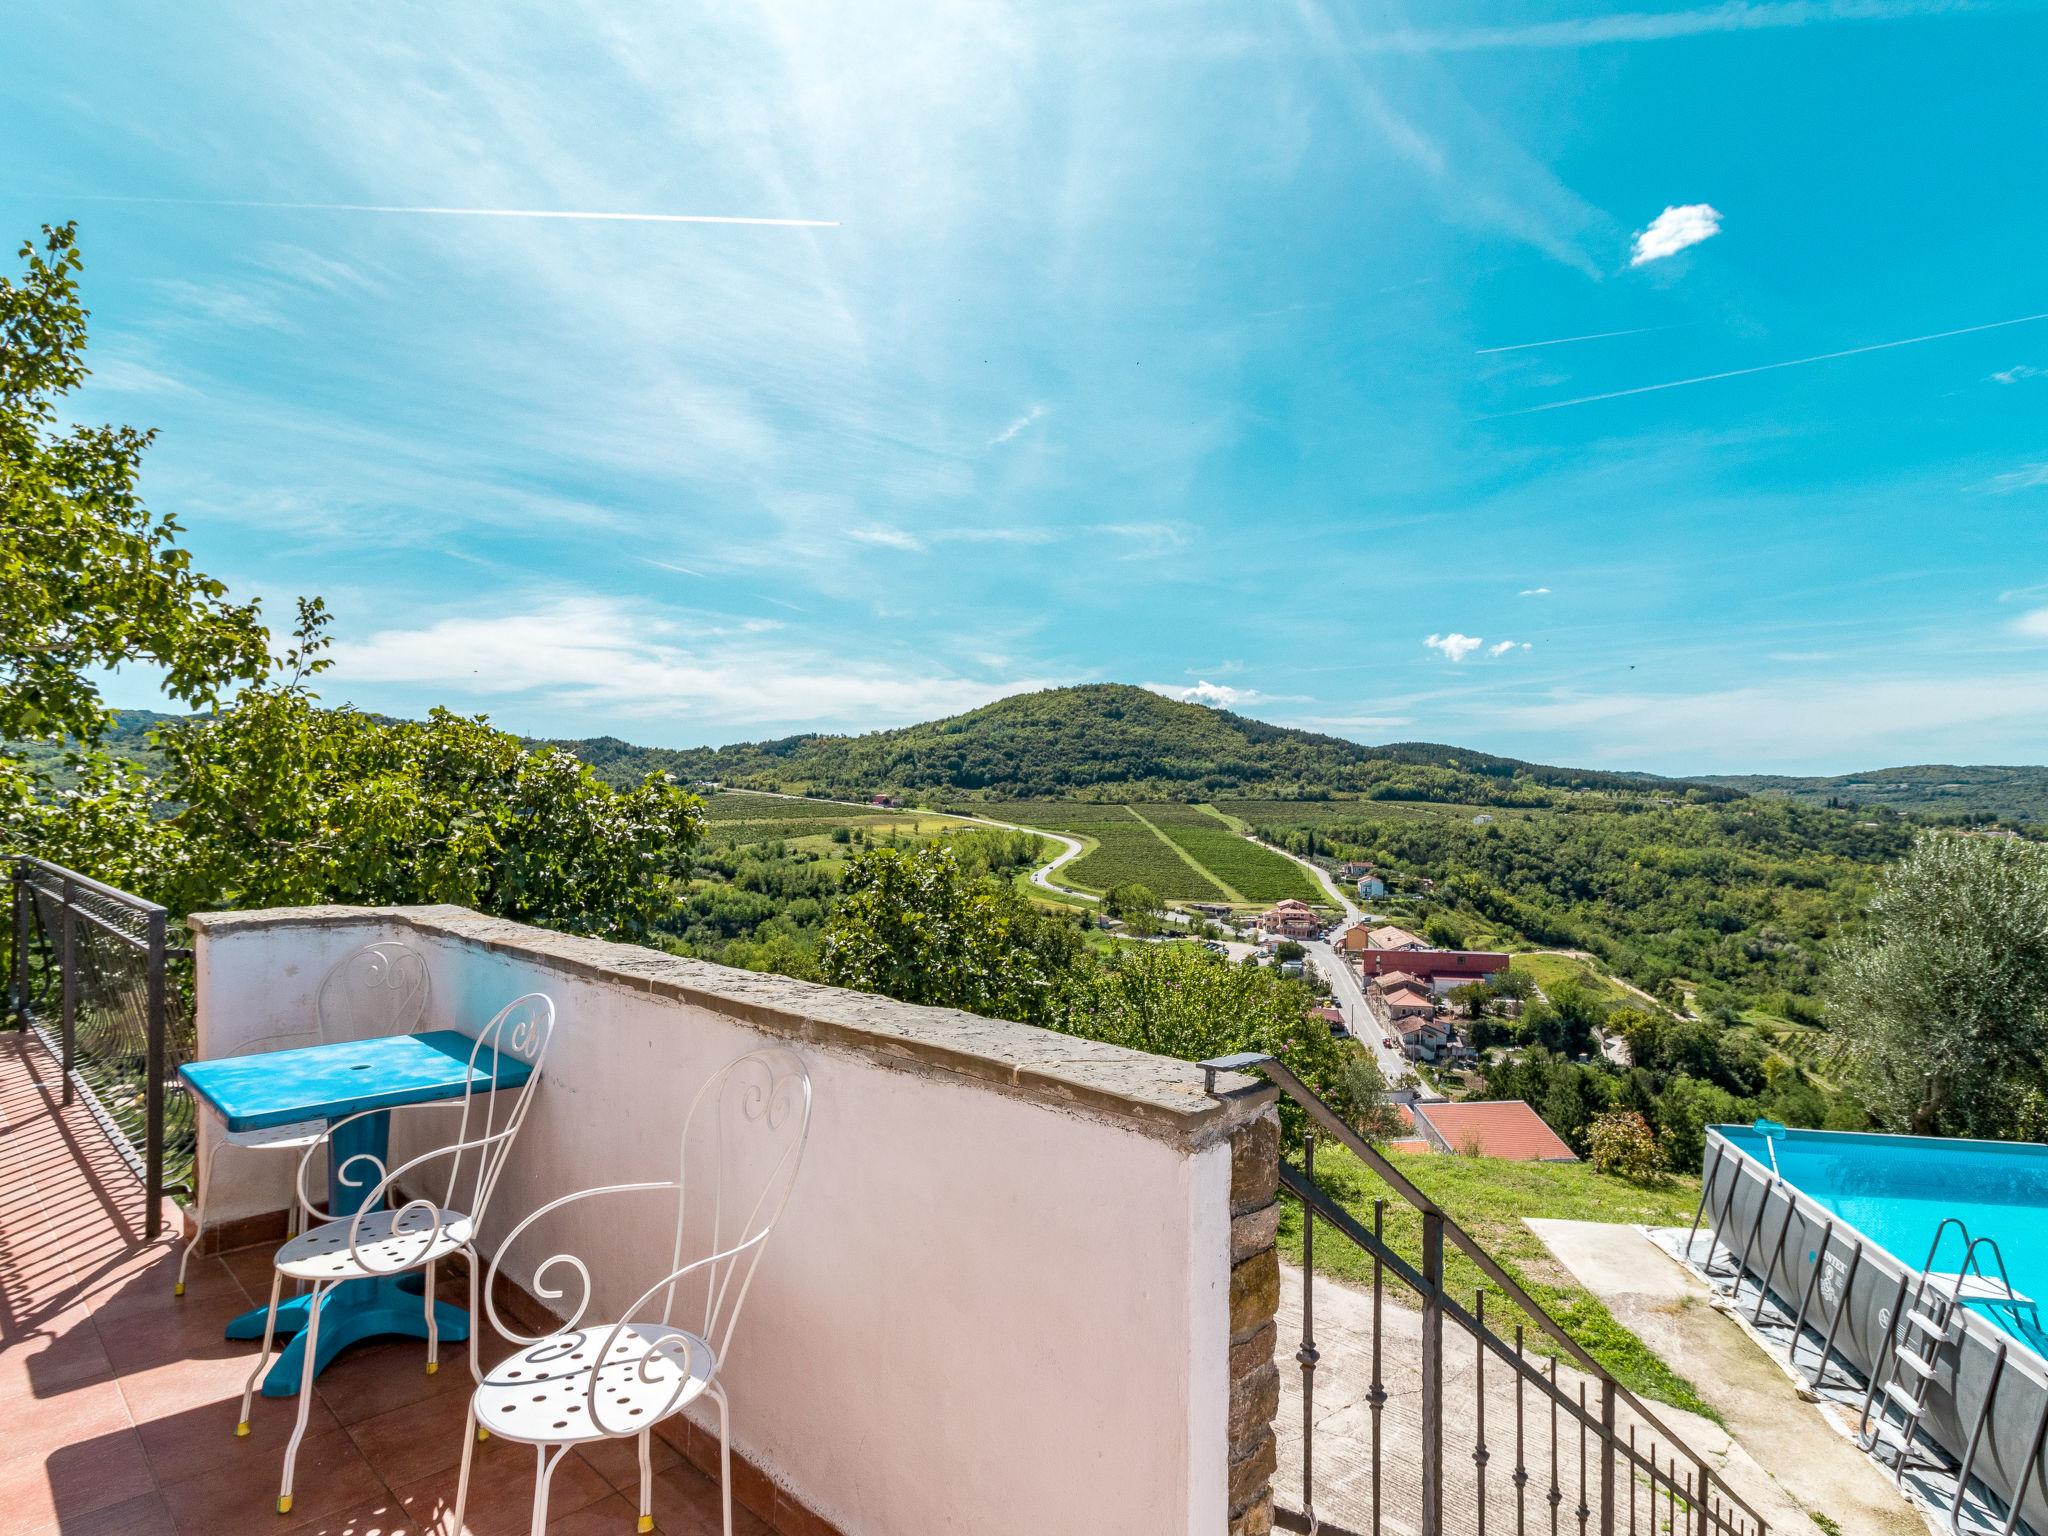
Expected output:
{"points": [[279, 802], [1622, 1144], [1180, 1000], [1941, 1003], [1115, 742], [1950, 791], [1255, 873], [89, 577], [1745, 897], [912, 925]]}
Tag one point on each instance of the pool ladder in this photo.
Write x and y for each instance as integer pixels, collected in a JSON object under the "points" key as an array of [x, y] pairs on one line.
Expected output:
{"points": [[1933, 1320]]}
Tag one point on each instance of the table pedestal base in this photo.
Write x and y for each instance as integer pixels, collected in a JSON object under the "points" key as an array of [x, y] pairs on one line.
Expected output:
{"points": [[349, 1312]]}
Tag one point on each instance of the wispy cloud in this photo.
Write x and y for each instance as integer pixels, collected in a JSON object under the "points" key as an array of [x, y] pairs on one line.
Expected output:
{"points": [[579, 216], [2034, 625], [1566, 341], [887, 538], [1656, 26], [1454, 646], [1023, 423], [1502, 647], [669, 565], [1215, 695], [1796, 362], [2026, 478], [1674, 230], [1534, 592], [2019, 371], [615, 659]]}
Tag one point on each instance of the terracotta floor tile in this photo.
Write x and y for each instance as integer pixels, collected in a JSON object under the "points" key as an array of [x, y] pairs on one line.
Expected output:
{"points": [[241, 1496], [176, 1385], [374, 1378], [189, 1441], [70, 1418], [415, 1441], [501, 1492], [66, 1484], [382, 1516], [137, 1340], [143, 1515], [615, 1516], [53, 1357], [619, 1461]]}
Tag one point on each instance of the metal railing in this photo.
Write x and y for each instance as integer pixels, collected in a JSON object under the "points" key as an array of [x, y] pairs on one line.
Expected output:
{"points": [[96, 978], [1588, 1453]]}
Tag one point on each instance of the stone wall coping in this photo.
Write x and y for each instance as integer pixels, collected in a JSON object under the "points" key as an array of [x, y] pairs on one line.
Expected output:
{"points": [[1154, 1095]]}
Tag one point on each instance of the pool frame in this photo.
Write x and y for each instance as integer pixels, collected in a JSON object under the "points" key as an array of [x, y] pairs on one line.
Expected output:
{"points": [[1994, 1422]]}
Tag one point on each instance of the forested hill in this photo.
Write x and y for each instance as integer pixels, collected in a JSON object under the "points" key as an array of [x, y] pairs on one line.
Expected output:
{"points": [[1112, 741], [2017, 793]]}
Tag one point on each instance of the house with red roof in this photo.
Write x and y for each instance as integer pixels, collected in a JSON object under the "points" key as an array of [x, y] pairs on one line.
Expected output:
{"points": [[1504, 1128]]}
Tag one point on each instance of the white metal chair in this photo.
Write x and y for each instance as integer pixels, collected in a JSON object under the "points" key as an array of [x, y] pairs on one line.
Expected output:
{"points": [[616, 1381], [380, 989], [382, 1240]]}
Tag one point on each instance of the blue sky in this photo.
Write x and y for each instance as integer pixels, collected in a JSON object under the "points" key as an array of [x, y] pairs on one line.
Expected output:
{"points": [[1157, 343]]}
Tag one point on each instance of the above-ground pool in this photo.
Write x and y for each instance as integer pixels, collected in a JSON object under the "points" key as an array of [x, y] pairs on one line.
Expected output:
{"points": [[1837, 1225]]}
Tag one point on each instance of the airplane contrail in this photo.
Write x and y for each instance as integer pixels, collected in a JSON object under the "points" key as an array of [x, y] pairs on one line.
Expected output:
{"points": [[476, 213], [1796, 362], [1563, 341]]}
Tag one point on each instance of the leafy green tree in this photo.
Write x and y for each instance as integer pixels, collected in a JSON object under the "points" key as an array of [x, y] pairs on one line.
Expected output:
{"points": [[1940, 1004], [90, 578], [911, 925], [1177, 1000], [282, 803]]}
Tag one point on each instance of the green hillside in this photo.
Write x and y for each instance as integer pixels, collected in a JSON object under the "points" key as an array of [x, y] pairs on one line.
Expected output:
{"points": [[2018, 793], [1109, 741]]}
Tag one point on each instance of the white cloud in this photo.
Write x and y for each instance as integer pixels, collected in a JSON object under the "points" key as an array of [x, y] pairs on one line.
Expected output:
{"points": [[2026, 478], [887, 538], [1807, 723], [616, 660], [1215, 695], [1656, 26], [2032, 625], [1534, 592], [1673, 230], [2019, 371], [1502, 647], [1454, 645], [1029, 419]]}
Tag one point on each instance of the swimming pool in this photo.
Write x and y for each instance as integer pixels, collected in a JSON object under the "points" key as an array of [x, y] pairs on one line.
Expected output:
{"points": [[1837, 1225]]}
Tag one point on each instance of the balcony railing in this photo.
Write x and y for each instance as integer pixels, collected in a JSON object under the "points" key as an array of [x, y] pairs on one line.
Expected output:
{"points": [[96, 977], [1582, 1452]]}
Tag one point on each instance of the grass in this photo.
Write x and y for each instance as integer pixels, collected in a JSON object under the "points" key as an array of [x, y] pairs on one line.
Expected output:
{"points": [[1489, 1199], [1551, 971]]}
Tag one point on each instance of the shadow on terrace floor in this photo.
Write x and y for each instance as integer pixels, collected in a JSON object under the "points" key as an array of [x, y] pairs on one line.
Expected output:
{"points": [[118, 1401]]}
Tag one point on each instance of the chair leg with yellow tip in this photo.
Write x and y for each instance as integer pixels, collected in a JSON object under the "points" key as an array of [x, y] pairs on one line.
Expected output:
{"points": [[646, 1481], [262, 1360]]}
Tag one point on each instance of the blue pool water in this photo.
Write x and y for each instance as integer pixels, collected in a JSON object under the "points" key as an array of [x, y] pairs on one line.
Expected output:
{"points": [[1896, 1190]]}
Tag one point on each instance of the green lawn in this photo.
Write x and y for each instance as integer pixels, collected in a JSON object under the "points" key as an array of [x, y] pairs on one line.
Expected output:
{"points": [[1549, 971], [1489, 1199]]}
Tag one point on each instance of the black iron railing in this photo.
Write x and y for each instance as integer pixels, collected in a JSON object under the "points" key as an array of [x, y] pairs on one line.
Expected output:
{"points": [[1588, 1454], [98, 979]]}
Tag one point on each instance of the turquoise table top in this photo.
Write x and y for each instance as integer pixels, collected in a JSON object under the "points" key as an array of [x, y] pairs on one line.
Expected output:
{"points": [[326, 1082]]}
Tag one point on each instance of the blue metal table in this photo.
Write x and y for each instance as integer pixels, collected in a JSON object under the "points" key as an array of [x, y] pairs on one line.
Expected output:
{"points": [[332, 1082]]}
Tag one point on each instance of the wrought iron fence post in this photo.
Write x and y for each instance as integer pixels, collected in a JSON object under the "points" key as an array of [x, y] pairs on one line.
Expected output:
{"points": [[19, 891], [1432, 1373], [1699, 1503], [1307, 1356], [67, 1034], [1607, 1457], [153, 1086]]}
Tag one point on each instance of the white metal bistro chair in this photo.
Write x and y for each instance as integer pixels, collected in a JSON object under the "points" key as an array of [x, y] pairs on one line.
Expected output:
{"points": [[382, 1240], [616, 1381], [380, 989]]}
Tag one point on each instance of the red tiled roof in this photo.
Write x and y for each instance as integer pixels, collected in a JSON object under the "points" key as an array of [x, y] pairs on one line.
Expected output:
{"points": [[1506, 1128]]}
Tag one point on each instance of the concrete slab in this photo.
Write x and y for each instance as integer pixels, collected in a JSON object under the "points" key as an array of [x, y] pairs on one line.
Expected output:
{"points": [[1668, 1309]]}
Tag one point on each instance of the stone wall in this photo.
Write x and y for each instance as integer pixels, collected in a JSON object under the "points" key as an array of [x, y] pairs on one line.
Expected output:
{"points": [[1254, 1300]]}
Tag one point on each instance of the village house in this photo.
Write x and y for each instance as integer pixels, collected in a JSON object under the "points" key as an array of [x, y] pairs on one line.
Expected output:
{"points": [[1506, 1128], [1371, 887], [1292, 919], [1441, 970]]}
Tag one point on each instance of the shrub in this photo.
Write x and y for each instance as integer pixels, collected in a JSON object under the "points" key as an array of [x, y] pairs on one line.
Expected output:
{"points": [[1624, 1145]]}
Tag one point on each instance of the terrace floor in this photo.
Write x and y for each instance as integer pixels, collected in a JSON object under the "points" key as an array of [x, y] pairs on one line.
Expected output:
{"points": [[118, 1401]]}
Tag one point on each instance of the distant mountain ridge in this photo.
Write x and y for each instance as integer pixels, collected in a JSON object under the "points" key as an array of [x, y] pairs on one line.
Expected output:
{"points": [[1115, 741], [2015, 792]]}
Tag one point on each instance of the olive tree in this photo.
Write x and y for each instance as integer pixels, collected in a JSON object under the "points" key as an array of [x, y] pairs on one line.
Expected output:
{"points": [[1940, 1004]]}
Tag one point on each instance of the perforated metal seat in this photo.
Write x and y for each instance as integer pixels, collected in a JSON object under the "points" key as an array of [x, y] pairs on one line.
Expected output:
{"points": [[387, 1242], [542, 1395]]}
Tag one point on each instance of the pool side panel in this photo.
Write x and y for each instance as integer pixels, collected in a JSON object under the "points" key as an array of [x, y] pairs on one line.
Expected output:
{"points": [[1853, 1297]]}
